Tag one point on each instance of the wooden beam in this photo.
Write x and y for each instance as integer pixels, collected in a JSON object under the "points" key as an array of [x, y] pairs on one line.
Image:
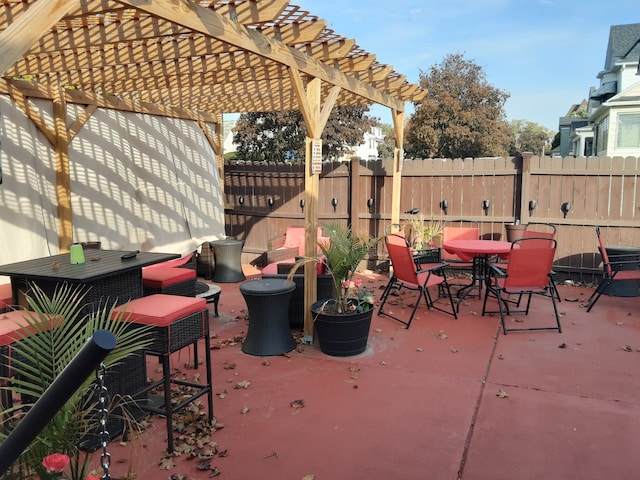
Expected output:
{"points": [[16, 40], [22, 102], [29, 89], [252, 12], [80, 121], [327, 51], [295, 33]]}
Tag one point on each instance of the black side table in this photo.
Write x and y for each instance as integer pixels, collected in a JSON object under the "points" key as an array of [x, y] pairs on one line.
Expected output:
{"points": [[228, 256], [268, 305]]}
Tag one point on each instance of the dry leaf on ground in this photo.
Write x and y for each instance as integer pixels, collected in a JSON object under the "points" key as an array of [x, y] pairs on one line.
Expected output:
{"points": [[297, 403], [502, 394]]}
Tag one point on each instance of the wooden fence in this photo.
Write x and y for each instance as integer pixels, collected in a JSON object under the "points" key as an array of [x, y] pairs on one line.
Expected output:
{"points": [[598, 191]]}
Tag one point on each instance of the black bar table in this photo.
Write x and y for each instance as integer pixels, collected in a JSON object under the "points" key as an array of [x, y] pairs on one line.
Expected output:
{"points": [[105, 274]]}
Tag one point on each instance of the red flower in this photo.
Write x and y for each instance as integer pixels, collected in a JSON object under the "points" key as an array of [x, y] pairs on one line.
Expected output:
{"points": [[56, 462], [92, 477]]}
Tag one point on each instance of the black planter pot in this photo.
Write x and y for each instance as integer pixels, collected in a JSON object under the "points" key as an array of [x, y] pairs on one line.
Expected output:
{"points": [[341, 335]]}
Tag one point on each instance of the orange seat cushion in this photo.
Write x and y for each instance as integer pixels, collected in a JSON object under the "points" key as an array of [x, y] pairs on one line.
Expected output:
{"points": [[13, 327], [6, 297], [163, 277], [161, 310]]}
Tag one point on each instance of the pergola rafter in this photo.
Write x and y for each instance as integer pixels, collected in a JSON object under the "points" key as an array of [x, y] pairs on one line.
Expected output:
{"points": [[195, 59]]}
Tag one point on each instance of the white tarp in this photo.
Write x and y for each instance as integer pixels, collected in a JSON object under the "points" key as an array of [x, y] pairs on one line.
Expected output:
{"points": [[137, 182]]}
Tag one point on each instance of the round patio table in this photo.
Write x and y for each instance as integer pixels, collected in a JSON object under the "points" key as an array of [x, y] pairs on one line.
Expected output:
{"points": [[268, 305], [228, 255], [479, 250]]}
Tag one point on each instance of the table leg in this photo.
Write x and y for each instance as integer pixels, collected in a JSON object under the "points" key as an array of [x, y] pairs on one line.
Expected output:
{"points": [[477, 277]]}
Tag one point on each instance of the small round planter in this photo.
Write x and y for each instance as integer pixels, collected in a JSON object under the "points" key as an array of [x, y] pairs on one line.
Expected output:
{"points": [[514, 231], [341, 335]]}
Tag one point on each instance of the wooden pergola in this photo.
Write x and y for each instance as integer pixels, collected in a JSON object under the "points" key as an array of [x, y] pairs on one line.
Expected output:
{"points": [[196, 59]]}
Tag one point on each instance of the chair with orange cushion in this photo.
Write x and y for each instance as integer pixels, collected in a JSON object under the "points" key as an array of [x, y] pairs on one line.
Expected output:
{"points": [[174, 277], [406, 274], [527, 273], [14, 326]]}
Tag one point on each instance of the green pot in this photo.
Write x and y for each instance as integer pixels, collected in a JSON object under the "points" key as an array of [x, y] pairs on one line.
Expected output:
{"points": [[341, 335]]}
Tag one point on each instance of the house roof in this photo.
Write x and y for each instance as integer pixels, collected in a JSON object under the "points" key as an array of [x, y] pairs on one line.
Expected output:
{"points": [[208, 56], [623, 44]]}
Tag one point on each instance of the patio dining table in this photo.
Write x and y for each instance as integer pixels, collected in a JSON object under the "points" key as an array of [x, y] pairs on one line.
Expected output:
{"points": [[105, 274], [480, 250]]}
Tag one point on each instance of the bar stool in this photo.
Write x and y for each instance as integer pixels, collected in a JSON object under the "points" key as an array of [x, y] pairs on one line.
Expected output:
{"points": [[14, 326], [6, 296], [169, 280], [177, 323]]}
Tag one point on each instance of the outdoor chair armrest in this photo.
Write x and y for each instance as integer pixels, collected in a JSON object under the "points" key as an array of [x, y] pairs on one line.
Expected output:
{"points": [[275, 243], [431, 267], [495, 270], [281, 254]]}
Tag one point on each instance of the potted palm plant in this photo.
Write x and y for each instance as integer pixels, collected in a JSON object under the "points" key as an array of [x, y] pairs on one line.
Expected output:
{"points": [[342, 322], [425, 234], [58, 334]]}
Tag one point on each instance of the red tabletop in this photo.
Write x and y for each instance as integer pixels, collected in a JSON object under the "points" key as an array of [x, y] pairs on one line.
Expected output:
{"points": [[477, 247]]}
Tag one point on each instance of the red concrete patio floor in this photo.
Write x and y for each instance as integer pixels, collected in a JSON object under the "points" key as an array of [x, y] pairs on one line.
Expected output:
{"points": [[446, 399]]}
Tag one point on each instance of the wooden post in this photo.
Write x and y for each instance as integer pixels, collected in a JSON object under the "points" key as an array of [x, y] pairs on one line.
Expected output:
{"points": [[398, 160], [63, 181], [315, 118]]}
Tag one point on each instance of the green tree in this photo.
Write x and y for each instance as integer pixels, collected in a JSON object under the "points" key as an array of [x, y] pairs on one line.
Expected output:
{"points": [[462, 115], [530, 137], [385, 150], [280, 136]]}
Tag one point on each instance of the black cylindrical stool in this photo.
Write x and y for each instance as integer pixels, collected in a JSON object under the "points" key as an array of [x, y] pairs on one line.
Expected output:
{"points": [[228, 256], [268, 305]]}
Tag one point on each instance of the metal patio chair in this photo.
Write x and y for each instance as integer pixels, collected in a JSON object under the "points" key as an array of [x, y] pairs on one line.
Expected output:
{"points": [[613, 268], [527, 273], [406, 274]]}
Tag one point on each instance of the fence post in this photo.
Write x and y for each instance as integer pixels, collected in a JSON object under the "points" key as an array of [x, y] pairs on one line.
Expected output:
{"points": [[525, 188]]}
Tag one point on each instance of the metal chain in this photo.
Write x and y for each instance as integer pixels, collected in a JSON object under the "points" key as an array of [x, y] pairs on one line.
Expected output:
{"points": [[103, 412]]}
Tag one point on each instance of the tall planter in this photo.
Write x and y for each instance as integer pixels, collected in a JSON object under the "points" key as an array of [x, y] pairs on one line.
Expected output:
{"points": [[341, 335]]}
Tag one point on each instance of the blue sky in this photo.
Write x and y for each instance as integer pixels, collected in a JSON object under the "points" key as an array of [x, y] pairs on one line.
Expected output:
{"points": [[545, 53]]}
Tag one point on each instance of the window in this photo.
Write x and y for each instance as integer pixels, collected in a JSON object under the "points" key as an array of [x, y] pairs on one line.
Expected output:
{"points": [[602, 135], [628, 130]]}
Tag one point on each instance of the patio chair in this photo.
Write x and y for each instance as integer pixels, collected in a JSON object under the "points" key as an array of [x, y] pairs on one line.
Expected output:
{"points": [[527, 273], [406, 274], [545, 232], [284, 249], [614, 267]]}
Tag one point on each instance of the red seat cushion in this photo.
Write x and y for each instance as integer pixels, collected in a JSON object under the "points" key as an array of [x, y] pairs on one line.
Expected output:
{"points": [[14, 326], [162, 277], [6, 297], [161, 310]]}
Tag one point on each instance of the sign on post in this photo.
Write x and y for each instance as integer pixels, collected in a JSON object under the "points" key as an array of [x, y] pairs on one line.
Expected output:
{"points": [[316, 156]]}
